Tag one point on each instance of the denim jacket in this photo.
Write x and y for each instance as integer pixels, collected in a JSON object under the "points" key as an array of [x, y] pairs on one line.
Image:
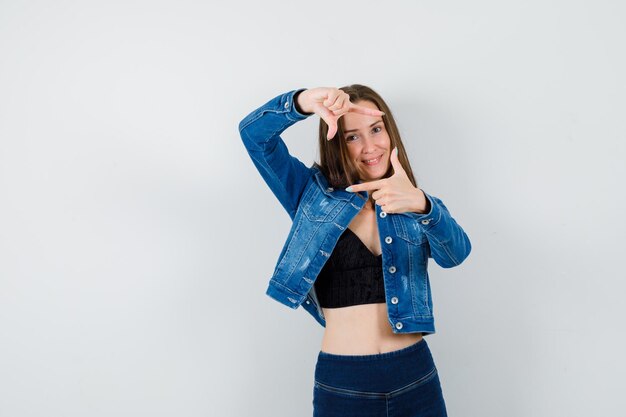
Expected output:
{"points": [[321, 213]]}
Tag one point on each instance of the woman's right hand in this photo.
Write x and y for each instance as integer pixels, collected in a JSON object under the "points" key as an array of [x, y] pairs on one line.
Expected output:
{"points": [[330, 104]]}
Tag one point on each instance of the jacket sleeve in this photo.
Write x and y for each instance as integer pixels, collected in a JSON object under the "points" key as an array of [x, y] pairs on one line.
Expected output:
{"points": [[260, 132], [448, 241]]}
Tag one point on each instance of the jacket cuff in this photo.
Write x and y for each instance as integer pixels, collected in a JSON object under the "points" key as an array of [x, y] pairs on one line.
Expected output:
{"points": [[430, 219], [295, 103], [291, 108], [280, 105]]}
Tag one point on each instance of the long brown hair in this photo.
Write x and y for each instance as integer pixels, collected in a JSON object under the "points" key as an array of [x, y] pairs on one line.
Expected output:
{"points": [[335, 163]]}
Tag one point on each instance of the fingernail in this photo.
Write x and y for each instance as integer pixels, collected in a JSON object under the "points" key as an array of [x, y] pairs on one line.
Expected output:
{"points": [[349, 189], [396, 150]]}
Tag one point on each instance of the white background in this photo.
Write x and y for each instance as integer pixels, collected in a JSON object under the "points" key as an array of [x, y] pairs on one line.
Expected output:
{"points": [[137, 238]]}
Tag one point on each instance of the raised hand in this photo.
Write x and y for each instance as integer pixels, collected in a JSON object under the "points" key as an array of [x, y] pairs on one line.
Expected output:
{"points": [[395, 194], [330, 104]]}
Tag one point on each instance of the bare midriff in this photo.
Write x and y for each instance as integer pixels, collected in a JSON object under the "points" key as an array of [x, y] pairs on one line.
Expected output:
{"points": [[363, 329]]}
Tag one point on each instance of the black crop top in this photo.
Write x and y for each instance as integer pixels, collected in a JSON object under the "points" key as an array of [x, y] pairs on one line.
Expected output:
{"points": [[351, 275]]}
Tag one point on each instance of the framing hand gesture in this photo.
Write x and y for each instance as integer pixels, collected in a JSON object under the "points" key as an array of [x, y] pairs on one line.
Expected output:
{"points": [[330, 104], [395, 194]]}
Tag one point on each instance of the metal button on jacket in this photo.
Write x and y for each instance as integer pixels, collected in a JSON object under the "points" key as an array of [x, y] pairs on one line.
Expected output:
{"points": [[330, 189], [394, 300], [392, 269], [399, 325], [383, 214], [425, 221], [388, 239], [287, 105]]}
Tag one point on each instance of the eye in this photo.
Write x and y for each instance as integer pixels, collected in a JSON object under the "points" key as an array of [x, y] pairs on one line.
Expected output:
{"points": [[351, 138], [377, 129]]}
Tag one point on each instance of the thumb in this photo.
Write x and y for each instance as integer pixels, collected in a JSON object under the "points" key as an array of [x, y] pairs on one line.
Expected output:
{"points": [[332, 129], [329, 118], [395, 162]]}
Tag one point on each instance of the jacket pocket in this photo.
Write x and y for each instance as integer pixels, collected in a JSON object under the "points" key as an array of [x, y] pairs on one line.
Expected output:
{"points": [[318, 207], [407, 229]]}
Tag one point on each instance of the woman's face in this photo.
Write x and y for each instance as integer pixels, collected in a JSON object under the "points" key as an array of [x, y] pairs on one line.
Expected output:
{"points": [[368, 143]]}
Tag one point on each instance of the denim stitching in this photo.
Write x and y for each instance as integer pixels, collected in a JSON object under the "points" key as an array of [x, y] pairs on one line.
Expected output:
{"points": [[387, 406], [445, 249], [286, 254], [403, 233], [414, 290], [414, 384], [378, 395], [426, 289], [264, 162], [255, 117], [297, 261], [308, 202], [352, 393]]}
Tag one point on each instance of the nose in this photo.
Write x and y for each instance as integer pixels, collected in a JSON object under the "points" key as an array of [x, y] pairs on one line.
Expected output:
{"points": [[369, 144]]}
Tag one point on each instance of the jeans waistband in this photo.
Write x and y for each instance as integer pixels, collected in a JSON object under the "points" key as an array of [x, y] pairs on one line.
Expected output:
{"points": [[380, 372], [419, 345]]}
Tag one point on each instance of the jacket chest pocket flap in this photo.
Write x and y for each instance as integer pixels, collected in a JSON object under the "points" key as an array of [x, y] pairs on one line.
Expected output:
{"points": [[408, 229], [319, 207]]}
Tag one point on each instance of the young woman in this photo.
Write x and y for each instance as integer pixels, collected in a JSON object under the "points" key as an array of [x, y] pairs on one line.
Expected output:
{"points": [[357, 253]]}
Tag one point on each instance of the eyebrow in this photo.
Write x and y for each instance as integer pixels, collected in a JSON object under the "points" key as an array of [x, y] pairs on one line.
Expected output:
{"points": [[354, 130]]}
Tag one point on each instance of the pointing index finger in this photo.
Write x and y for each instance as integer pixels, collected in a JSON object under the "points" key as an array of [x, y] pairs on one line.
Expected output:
{"points": [[365, 110], [366, 186]]}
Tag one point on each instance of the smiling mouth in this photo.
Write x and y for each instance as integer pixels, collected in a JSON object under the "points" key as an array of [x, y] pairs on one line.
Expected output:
{"points": [[372, 162]]}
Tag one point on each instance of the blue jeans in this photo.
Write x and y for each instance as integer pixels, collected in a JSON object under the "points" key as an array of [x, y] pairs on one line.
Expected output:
{"points": [[400, 383]]}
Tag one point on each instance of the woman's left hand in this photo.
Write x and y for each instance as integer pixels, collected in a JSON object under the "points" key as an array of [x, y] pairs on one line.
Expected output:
{"points": [[395, 194]]}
